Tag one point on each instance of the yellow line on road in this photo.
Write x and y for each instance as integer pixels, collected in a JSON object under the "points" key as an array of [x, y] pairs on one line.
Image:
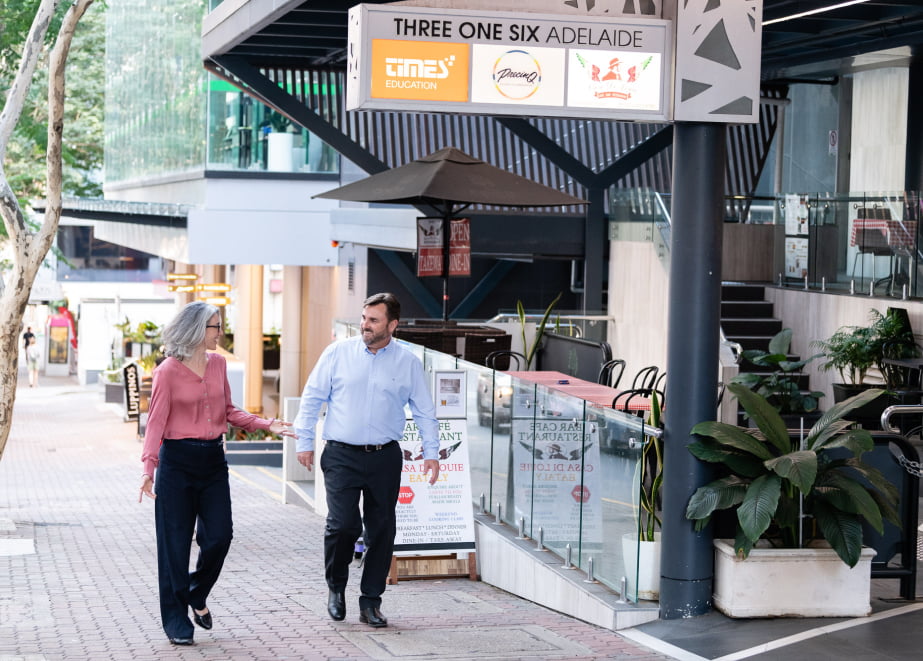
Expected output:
{"points": [[275, 476], [272, 494]]}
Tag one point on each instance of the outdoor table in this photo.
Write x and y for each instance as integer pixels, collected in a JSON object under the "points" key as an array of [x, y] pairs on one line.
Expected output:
{"points": [[595, 393], [900, 234]]}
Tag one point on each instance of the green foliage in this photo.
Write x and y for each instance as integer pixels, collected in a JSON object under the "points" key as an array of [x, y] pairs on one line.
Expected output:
{"points": [[780, 386], [853, 350], [651, 476], [769, 477], [539, 329], [82, 148]]}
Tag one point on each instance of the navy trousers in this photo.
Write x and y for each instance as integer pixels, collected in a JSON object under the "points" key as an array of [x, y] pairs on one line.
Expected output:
{"points": [[192, 494], [376, 476]]}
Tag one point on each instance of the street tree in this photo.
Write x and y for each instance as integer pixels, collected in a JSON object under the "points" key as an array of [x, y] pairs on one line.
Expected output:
{"points": [[28, 245]]}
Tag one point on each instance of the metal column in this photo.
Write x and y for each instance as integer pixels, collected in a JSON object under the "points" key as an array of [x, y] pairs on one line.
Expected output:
{"points": [[699, 161]]}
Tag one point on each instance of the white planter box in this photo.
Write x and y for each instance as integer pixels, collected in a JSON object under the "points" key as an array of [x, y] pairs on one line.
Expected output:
{"points": [[642, 558], [773, 582]]}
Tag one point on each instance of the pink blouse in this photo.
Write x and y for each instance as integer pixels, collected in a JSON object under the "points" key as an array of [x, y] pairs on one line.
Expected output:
{"points": [[185, 405]]}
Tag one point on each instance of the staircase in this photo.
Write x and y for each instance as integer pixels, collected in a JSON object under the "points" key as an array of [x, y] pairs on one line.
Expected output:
{"points": [[747, 318]]}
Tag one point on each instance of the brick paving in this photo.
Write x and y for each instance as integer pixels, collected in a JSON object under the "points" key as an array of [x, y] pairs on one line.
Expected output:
{"points": [[69, 481]]}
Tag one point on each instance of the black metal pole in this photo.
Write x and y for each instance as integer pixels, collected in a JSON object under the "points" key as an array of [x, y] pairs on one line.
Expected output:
{"points": [[699, 155], [446, 228]]}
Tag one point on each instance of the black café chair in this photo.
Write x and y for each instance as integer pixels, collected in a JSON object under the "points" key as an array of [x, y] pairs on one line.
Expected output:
{"points": [[611, 373], [646, 378], [660, 383], [504, 360], [622, 401]]}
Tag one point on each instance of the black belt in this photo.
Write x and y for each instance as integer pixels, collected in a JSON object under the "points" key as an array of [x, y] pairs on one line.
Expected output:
{"points": [[363, 448], [196, 441]]}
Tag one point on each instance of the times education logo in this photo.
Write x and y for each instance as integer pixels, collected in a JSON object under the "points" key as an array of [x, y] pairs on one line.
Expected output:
{"points": [[517, 75]]}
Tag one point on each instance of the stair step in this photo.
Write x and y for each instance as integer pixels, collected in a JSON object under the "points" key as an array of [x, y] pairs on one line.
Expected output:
{"points": [[746, 309], [750, 327], [742, 293], [751, 341]]}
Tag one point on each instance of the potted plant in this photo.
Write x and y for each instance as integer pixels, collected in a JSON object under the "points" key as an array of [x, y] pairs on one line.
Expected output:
{"points": [[853, 350], [781, 384], [527, 349], [801, 503], [641, 549], [895, 341]]}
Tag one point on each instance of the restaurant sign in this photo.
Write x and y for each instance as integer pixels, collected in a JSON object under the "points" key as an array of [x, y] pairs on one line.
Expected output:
{"points": [[504, 63]]}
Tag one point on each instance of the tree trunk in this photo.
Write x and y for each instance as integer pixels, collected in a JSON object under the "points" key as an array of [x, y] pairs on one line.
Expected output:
{"points": [[29, 248]]}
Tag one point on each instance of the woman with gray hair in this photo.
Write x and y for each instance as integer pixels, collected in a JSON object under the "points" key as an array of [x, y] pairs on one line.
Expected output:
{"points": [[185, 471]]}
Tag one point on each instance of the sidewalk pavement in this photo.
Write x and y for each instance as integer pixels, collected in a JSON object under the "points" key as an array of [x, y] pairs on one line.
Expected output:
{"points": [[78, 566]]}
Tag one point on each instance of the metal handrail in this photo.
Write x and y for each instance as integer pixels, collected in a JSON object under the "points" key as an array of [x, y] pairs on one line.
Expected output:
{"points": [[896, 409]]}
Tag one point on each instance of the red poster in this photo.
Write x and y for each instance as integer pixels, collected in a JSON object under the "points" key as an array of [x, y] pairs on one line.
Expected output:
{"points": [[429, 247], [460, 247]]}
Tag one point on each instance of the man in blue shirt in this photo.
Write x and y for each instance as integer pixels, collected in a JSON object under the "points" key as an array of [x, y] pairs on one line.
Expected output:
{"points": [[365, 382]]}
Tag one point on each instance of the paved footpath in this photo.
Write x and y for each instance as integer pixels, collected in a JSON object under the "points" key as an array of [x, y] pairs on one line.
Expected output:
{"points": [[78, 566]]}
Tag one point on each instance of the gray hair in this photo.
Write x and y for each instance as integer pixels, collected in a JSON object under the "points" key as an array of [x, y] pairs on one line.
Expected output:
{"points": [[187, 329]]}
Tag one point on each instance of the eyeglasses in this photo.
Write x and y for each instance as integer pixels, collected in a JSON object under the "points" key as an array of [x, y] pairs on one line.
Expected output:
{"points": [[212, 325]]}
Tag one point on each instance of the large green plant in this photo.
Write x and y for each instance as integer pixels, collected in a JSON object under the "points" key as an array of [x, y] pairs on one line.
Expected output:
{"points": [[853, 350], [780, 384], [651, 476], [772, 479], [529, 350]]}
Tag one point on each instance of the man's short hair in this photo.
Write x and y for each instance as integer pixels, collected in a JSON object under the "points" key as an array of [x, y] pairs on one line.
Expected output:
{"points": [[389, 300]]}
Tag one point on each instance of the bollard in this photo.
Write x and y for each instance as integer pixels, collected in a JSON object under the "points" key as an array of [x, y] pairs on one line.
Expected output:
{"points": [[522, 528], [871, 287], [852, 287], [589, 571], [823, 283], [806, 283], [903, 292], [483, 504], [623, 589], [567, 561], [540, 540], [780, 279], [499, 521]]}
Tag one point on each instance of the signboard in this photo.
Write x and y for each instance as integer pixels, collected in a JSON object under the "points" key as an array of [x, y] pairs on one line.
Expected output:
{"points": [[435, 517], [556, 465], [425, 59], [131, 377], [460, 247], [429, 247], [430, 243]]}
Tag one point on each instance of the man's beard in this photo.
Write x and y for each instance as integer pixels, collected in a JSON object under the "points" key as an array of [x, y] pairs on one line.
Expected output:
{"points": [[371, 338]]}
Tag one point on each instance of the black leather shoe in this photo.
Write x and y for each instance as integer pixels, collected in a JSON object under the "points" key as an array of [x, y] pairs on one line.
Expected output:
{"points": [[373, 618], [336, 605], [204, 621], [181, 641]]}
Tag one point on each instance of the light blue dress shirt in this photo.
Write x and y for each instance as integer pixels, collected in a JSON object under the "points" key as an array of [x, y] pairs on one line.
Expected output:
{"points": [[365, 394]]}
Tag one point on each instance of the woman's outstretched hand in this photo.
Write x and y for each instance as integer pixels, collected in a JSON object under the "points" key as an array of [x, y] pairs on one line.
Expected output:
{"points": [[282, 428]]}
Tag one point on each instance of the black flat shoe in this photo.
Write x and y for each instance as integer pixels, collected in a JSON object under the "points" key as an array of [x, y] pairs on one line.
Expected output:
{"points": [[204, 621], [182, 641], [373, 618], [336, 605]]}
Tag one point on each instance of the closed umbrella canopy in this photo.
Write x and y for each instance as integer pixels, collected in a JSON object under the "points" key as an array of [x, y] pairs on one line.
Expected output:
{"points": [[451, 177], [450, 180]]}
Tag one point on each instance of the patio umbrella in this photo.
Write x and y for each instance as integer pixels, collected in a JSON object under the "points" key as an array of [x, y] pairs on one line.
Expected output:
{"points": [[449, 181]]}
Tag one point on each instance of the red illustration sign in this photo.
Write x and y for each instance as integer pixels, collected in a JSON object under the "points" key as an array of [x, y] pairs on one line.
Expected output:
{"points": [[405, 497], [580, 494]]}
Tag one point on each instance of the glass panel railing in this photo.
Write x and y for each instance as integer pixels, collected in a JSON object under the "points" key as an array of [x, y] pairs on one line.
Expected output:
{"points": [[561, 467], [865, 243]]}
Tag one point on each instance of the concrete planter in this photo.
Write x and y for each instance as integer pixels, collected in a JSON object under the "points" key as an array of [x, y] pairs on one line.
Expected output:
{"points": [[254, 453], [771, 582], [643, 559]]}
